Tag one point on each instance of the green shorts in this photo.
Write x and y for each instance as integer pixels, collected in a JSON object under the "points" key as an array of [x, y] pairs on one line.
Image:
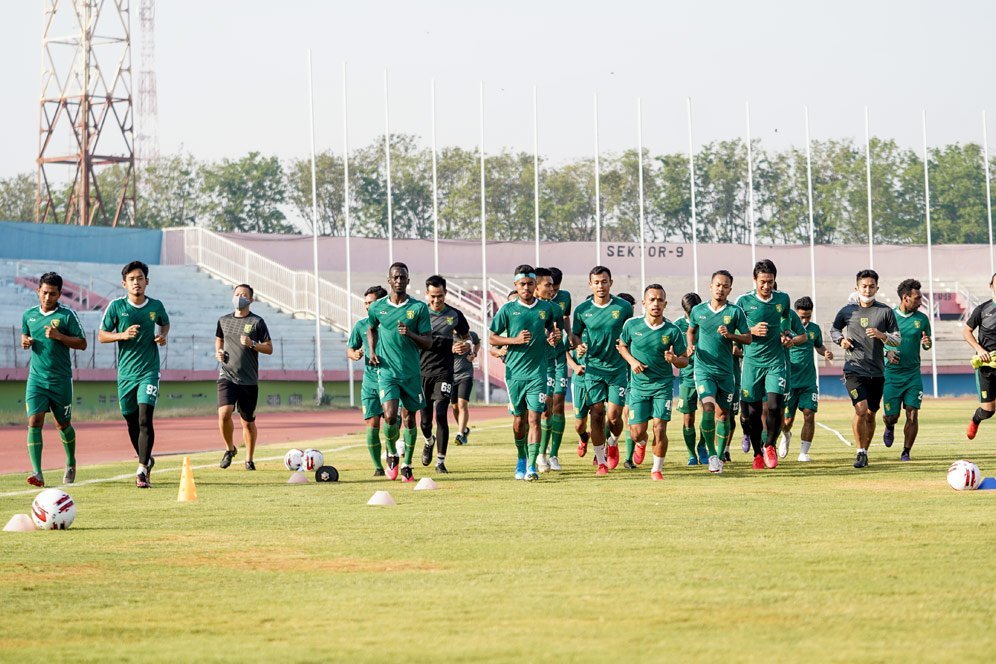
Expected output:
{"points": [[688, 400], [902, 390], [57, 397], [526, 395], [132, 392], [557, 378], [612, 389], [802, 398], [644, 406], [370, 398], [719, 388], [408, 390], [579, 397], [757, 382]]}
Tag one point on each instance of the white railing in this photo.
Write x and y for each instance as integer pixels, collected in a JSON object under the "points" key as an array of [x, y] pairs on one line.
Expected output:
{"points": [[291, 291]]}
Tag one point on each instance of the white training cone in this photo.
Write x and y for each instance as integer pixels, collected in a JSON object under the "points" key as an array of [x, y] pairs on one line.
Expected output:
{"points": [[426, 484], [381, 498], [298, 478], [20, 523]]}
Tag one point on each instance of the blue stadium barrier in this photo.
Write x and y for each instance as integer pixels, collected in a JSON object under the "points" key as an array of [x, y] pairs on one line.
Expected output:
{"points": [[89, 244]]}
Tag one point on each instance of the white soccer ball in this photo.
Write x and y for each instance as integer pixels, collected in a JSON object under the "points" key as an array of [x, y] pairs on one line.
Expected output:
{"points": [[964, 476], [53, 510], [313, 459], [293, 459]]}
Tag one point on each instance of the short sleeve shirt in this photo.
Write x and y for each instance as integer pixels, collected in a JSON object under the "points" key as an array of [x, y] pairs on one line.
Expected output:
{"points": [[437, 360], [713, 353], [600, 326], [50, 359], [138, 357], [802, 360], [463, 368], [767, 351], [526, 362], [983, 321], [648, 344], [358, 340], [242, 367], [911, 329], [399, 356]]}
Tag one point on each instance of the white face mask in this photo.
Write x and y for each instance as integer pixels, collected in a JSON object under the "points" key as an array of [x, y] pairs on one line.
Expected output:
{"points": [[865, 299], [239, 302]]}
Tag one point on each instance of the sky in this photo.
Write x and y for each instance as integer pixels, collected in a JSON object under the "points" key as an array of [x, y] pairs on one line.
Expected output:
{"points": [[232, 74]]}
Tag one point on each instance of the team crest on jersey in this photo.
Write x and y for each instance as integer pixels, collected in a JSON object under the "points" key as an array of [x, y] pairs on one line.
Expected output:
{"points": [[665, 339], [727, 320], [778, 308], [854, 394], [864, 322], [812, 336], [152, 315], [916, 324], [449, 320], [615, 314], [542, 315], [410, 314], [563, 306], [701, 388], [746, 392], [55, 322], [247, 328]]}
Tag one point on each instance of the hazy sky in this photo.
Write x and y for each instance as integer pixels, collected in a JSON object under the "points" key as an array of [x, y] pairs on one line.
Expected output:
{"points": [[232, 74]]}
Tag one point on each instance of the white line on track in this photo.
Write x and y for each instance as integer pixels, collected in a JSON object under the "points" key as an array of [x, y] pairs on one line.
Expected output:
{"points": [[836, 433]]}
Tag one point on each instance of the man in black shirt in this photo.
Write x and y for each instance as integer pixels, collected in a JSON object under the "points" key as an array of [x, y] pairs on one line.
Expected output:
{"points": [[463, 384], [983, 319], [239, 339], [449, 334]]}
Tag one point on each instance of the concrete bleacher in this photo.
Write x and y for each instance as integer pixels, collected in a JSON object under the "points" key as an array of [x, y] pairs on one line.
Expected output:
{"points": [[194, 302]]}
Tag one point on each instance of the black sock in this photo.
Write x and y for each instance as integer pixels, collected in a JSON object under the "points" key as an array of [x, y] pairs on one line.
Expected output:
{"points": [[132, 420], [442, 427], [981, 415], [146, 433], [754, 413], [425, 421], [774, 419]]}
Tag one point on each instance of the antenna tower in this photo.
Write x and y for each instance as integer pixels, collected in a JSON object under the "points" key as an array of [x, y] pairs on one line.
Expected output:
{"points": [[147, 141]]}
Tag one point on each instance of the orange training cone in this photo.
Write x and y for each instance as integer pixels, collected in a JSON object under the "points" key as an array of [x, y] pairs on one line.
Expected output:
{"points": [[188, 490]]}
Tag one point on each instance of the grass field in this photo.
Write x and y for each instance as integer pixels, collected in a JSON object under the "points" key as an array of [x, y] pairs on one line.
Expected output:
{"points": [[817, 562]]}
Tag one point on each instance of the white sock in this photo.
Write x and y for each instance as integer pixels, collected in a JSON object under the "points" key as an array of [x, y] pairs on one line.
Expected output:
{"points": [[610, 440], [600, 454], [658, 464], [440, 458], [399, 447], [141, 470], [804, 446], [861, 451]]}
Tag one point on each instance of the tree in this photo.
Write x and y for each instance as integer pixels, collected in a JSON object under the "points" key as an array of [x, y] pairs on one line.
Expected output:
{"points": [[17, 197], [245, 195], [170, 190], [329, 189]]}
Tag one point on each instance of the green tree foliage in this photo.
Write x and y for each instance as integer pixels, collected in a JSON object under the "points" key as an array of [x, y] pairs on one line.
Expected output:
{"points": [[246, 195], [169, 192], [17, 197]]}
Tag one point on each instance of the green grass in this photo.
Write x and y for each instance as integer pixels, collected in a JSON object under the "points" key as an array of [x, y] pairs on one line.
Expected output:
{"points": [[804, 563]]}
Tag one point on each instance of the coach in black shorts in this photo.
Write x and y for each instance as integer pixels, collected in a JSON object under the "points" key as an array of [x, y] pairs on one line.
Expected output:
{"points": [[463, 384], [982, 321], [239, 339], [863, 329]]}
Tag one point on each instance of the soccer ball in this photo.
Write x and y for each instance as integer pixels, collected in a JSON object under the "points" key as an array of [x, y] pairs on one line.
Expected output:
{"points": [[294, 459], [53, 510], [313, 459], [964, 476]]}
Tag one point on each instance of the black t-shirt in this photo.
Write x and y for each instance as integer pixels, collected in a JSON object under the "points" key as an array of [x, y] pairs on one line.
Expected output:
{"points": [[463, 369], [437, 360], [242, 367], [983, 321]]}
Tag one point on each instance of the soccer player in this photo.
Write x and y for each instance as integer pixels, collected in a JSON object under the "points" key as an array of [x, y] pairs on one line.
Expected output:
{"points": [[688, 401], [239, 339], [131, 323], [528, 328], [449, 331], [399, 328], [463, 384], [804, 385], [983, 319], [903, 381], [600, 322], [713, 327], [765, 370], [579, 399], [49, 330], [554, 419], [358, 348], [652, 346], [862, 330]]}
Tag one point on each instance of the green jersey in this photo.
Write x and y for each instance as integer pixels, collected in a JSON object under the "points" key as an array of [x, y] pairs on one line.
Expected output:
{"points": [[357, 340], [50, 359], [529, 361], [713, 353], [563, 300], [138, 357], [399, 356], [911, 329], [767, 351], [648, 343], [601, 326], [687, 374], [801, 359]]}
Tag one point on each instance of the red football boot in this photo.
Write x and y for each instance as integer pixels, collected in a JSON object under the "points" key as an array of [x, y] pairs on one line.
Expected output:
{"points": [[639, 453], [758, 462]]}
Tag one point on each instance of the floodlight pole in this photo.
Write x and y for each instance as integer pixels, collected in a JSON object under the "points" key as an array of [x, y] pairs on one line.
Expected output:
{"points": [[598, 193], [691, 182], [435, 189], [346, 216], [536, 215], [639, 143], [930, 256], [750, 191], [387, 157], [868, 180], [809, 189], [484, 265], [989, 202], [319, 386]]}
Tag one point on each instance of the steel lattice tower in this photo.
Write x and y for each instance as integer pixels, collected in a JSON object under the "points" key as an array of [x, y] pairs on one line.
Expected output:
{"points": [[86, 118], [147, 141]]}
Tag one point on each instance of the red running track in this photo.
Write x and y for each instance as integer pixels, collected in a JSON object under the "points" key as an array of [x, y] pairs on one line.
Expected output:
{"points": [[103, 442]]}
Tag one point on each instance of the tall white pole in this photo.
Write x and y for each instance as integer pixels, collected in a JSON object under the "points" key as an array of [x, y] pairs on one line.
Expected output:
{"points": [[989, 197], [691, 182], [812, 231], [484, 266], [598, 194], [320, 386], [536, 220], [435, 190], [346, 217], [639, 143], [750, 192], [930, 256], [868, 180], [387, 158]]}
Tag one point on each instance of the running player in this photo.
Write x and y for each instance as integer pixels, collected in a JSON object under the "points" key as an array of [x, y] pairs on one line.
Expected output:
{"points": [[239, 339], [713, 327], [463, 384], [652, 346], [449, 330], [983, 319], [595, 330], [131, 323], [903, 381], [358, 348], [399, 328], [804, 384], [528, 328], [688, 401], [764, 375], [554, 419], [49, 330], [862, 330]]}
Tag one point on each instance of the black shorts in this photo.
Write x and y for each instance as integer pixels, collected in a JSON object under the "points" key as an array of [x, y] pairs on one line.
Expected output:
{"points": [[865, 388], [462, 389], [985, 383], [437, 388], [243, 397]]}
